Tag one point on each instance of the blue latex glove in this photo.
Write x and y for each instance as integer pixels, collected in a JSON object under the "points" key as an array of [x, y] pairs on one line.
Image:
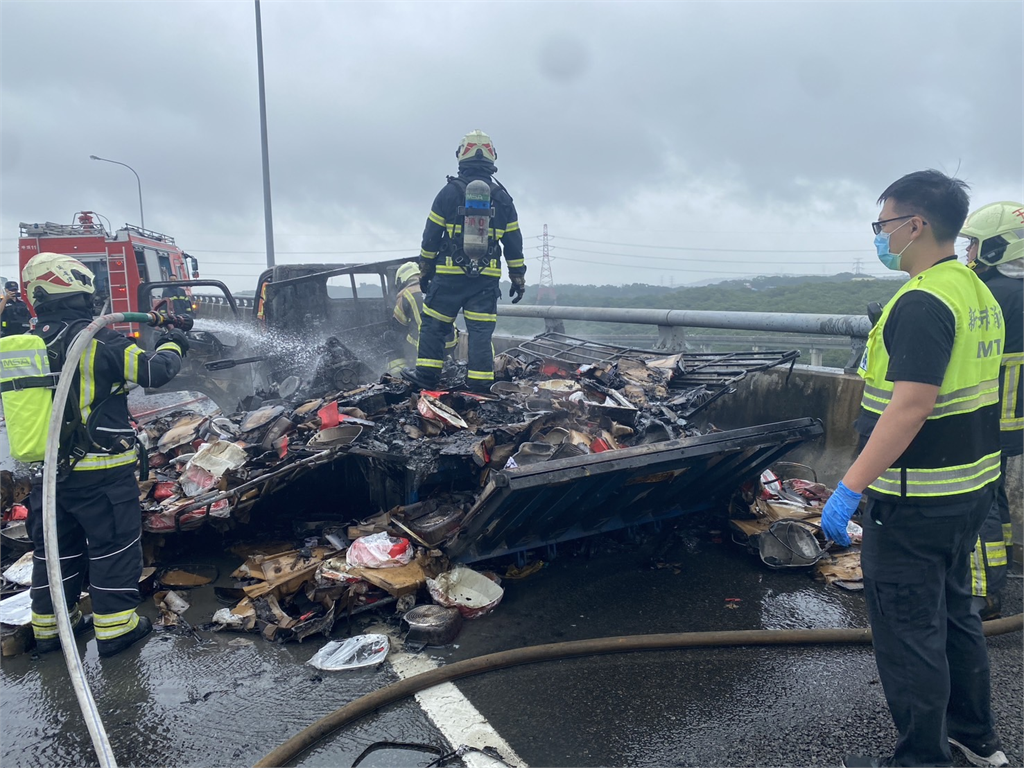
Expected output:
{"points": [[837, 513]]}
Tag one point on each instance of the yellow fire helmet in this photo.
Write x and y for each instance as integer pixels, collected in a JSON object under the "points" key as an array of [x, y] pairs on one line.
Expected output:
{"points": [[407, 272], [476, 144], [49, 276], [999, 230]]}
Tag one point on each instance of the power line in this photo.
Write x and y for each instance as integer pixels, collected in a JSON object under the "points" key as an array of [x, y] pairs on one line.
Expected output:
{"points": [[302, 253], [708, 250], [681, 258], [662, 268]]}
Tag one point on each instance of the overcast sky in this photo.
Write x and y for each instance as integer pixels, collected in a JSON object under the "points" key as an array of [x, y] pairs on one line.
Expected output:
{"points": [[660, 142]]}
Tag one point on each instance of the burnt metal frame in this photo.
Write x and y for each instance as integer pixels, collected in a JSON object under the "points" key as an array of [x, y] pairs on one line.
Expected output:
{"points": [[560, 347], [504, 518]]}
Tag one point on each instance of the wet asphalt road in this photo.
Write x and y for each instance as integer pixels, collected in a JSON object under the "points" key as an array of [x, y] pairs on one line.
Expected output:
{"points": [[173, 702]]}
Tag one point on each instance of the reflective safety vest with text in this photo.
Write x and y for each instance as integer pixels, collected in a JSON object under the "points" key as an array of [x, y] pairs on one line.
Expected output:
{"points": [[956, 452]]}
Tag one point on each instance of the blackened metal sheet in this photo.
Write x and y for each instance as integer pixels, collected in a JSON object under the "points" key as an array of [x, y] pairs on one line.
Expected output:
{"points": [[695, 368], [567, 499]]}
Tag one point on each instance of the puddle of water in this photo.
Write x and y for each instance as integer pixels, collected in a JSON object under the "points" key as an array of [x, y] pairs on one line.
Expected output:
{"points": [[811, 608]]}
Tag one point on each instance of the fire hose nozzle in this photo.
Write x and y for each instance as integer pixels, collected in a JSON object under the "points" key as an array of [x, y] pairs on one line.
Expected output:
{"points": [[162, 320]]}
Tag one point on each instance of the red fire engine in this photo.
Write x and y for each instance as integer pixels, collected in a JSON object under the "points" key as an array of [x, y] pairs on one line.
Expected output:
{"points": [[121, 261]]}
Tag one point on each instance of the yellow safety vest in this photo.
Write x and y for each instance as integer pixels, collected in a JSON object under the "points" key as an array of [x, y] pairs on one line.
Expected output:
{"points": [[957, 450], [26, 385]]}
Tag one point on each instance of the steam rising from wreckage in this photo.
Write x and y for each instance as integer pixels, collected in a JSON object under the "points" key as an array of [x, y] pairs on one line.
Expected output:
{"points": [[575, 438]]}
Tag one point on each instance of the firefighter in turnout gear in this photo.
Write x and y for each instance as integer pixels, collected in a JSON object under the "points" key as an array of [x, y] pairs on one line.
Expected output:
{"points": [[98, 517], [175, 301], [929, 465], [407, 319], [995, 251], [472, 223]]}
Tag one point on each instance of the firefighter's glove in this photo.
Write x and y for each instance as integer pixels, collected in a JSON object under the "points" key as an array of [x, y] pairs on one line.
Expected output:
{"points": [[518, 289], [836, 515], [426, 275], [176, 337], [182, 322]]}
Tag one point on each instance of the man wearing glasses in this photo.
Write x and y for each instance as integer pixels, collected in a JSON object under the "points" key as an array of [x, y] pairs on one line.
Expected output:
{"points": [[929, 426]]}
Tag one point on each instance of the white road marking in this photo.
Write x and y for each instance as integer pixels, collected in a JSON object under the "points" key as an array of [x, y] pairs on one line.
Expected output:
{"points": [[454, 715]]}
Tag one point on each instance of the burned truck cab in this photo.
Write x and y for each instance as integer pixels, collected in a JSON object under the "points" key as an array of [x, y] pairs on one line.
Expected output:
{"points": [[331, 320]]}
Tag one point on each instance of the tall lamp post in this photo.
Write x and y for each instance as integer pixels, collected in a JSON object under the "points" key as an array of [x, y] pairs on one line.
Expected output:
{"points": [[268, 214], [142, 217]]}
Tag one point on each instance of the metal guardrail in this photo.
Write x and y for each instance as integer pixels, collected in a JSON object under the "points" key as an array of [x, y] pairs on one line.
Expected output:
{"points": [[241, 302], [671, 323]]}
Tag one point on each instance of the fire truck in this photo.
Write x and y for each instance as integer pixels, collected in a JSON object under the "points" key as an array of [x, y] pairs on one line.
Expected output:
{"points": [[121, 261]]}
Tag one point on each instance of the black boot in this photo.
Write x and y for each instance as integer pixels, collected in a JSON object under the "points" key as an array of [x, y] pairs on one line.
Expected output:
{"points": [[478, 387], [419, 379], [115, 645], [80, 625], [992, 609]]}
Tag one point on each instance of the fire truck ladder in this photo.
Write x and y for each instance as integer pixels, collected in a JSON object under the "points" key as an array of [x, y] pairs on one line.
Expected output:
{"points": [[118, 280]]}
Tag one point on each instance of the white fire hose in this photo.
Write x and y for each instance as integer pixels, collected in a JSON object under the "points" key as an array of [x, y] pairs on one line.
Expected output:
{"points": [[97, 732]]}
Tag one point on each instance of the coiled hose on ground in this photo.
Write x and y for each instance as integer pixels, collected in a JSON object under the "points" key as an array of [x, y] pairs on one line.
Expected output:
{"points": [[86, 703], [371, 702]]}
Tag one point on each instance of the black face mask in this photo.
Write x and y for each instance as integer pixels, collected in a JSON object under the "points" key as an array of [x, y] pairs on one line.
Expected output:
{"points": [[71, 307], [477, 166]]}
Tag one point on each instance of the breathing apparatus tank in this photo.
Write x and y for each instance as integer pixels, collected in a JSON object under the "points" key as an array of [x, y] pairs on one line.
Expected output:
{"points": [[476, 223]]}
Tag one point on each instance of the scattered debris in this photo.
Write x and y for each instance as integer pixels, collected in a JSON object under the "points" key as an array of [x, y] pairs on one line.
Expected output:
{"points": [[20, 572], [432, 625], [353, 653], [171, 605], [472, 593], [515, 572], [557, 398], [450, 475], [16, 622], [842, 570], [789, 544], [187, 576], [379, 550], [16, 611], [778, 516]]}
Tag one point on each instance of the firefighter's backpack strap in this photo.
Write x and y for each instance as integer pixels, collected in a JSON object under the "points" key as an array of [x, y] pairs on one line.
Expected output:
{"points": [[75, 441]]}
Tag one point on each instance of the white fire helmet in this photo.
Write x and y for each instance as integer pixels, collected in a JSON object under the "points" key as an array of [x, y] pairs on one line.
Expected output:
{"points": [[49, 276], [476, 144]]}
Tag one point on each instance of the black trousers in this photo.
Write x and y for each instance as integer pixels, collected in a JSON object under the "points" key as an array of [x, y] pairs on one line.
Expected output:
{"points": [[931, 653], [477, 297], [991, 556], [99, 529]]}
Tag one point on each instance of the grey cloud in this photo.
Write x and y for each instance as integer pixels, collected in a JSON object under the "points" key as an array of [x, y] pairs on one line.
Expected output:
{"points": [[590, 105]]}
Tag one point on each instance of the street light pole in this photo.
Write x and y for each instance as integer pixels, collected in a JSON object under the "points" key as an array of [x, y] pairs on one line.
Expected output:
{"points": [[268, 214], [142, 217]]}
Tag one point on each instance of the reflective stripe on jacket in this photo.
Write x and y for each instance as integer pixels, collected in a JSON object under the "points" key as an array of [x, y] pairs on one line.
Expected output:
{"points": [[110, 362], [443, 232], [956, 452]]}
